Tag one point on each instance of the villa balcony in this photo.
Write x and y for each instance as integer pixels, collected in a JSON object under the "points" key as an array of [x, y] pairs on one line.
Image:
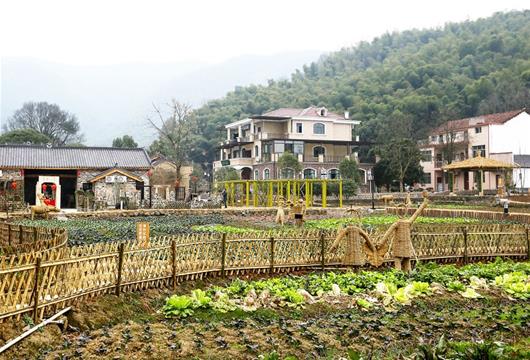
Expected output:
{"points": [[241, 161], [436, 141]]}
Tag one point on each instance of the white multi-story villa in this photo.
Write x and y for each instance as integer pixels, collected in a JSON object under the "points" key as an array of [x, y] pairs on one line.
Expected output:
{"points": [[319, 138], [503, 136]]}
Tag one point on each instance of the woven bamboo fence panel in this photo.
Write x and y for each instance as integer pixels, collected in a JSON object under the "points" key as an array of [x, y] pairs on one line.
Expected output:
{"points": [[16, 239], [40, 283], [523, 218]]}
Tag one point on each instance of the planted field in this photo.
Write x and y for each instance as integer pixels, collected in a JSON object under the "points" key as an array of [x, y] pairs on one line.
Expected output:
{"points": [[473, 312], [94, 230]]}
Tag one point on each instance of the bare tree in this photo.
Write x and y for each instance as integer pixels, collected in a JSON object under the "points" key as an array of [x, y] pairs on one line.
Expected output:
{"points": [[176, 132], [61, 127]]}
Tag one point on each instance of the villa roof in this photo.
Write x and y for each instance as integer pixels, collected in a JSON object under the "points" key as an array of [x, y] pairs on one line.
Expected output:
{"points": [[489, 119], [310, 112], [43, 157]]}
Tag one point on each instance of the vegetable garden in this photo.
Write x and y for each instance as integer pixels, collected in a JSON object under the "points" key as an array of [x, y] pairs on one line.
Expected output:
{"points": [[323, 311]]}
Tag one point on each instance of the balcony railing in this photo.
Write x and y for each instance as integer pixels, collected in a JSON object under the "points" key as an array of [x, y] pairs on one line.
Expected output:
{"points": [[268, 136], [446, 139]]}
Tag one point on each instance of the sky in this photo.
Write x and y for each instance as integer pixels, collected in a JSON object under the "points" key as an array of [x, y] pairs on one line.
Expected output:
{"points": [[114, 31]]}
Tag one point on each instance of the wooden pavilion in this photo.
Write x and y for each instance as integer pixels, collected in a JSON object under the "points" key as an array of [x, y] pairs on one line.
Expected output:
{"points": [[480, 164]]}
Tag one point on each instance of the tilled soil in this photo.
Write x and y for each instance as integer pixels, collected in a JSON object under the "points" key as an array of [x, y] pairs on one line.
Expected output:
{"points": [[130, 327]]}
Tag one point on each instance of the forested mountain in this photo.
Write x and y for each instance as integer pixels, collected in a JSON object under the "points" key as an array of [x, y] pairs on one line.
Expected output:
{"points": [[400, 83]]}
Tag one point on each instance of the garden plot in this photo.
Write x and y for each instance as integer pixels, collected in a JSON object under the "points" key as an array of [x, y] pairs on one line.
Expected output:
{"points": [[473, 312]]}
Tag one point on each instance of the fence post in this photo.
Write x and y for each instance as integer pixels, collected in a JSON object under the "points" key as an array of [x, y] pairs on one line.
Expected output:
{"points": [[223, 254], [528, 243], [36, 289], [121, 250], [174, 263], [271, 268], [464, 232], [9, 234], [322, 251], [35, 235], [20, 234]]}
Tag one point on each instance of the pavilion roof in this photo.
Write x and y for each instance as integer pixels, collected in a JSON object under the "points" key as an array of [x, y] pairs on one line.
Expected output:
{"points": [[480, 163]]}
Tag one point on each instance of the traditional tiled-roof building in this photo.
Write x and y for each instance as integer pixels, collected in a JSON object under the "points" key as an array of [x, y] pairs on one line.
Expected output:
{"points": [[59, 173]]}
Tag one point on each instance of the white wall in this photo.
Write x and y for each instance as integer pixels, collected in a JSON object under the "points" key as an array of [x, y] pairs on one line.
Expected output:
{"points": [[512, 136], [521, 177]]}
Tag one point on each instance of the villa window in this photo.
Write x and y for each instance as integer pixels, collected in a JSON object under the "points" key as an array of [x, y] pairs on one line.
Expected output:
{"points": [[333, 174], [478, 130], [256, 151], [299, 128], [309, 174], [479, 150], [266, 174], [256, 175], [319, 150], [319, 129], [426, 155]]}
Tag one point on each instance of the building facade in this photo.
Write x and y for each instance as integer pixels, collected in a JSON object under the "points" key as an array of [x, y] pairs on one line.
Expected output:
{"points": [[320, 139], [61, 174], [501, 136]]}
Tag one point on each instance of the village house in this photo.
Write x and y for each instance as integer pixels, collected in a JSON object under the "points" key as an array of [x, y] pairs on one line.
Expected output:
{"points": [[60, 174], [501, 136], [167, 186], [319, 138]]}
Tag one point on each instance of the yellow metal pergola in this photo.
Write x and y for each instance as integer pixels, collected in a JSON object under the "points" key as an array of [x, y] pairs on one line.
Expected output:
{"points": [[267, 192]]}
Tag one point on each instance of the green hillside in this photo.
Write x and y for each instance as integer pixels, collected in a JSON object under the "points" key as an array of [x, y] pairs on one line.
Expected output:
{"points": [[413, 79]]}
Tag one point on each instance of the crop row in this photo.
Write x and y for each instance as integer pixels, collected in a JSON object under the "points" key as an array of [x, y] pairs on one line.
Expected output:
{"points": [[389, 289]]}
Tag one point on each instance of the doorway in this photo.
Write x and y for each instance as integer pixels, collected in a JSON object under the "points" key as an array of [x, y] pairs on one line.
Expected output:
{"points": [[67, 180]]}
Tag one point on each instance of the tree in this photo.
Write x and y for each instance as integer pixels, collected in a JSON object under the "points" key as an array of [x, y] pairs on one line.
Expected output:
{"points": [[288, 161], [349, 171], [226, 173], [24, 136], [125, 141], [176, 133], [61, 127], [402, 157]]}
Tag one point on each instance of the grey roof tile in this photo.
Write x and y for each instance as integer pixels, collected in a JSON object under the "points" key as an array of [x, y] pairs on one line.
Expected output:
{"points": [[41, 157]]}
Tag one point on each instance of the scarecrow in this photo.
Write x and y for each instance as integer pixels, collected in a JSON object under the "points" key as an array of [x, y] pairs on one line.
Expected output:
{"points": [[358, 245], [298, 211], [280, 213], [399, 235]]}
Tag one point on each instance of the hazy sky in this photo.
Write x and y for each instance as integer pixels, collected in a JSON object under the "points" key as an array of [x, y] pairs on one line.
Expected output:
{"points": [[112, 31]]}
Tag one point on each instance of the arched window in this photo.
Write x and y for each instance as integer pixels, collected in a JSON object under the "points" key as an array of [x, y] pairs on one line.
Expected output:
{"points": [[319, 150], [256, 175], [309, 174], [266, 174], [256, 151], [287, 173], [319, 129], [333, 174]]}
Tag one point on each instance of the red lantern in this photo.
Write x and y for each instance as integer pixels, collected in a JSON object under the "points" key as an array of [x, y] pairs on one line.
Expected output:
{"points": [[54, 187], [44, 187], [14, 185]]}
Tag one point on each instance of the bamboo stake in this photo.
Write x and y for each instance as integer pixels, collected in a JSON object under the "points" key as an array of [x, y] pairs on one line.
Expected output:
{"points": [[271, 268], [33, 329], [528, 243], [121, 250], [223, 254], [465, 246], [174, 262], [36, 291], [322, 252]]}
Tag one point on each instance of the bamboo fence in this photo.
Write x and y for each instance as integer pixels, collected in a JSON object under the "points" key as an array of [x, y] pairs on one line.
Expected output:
{"points": [[523, 218], [44, 282], [17, 239]]}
